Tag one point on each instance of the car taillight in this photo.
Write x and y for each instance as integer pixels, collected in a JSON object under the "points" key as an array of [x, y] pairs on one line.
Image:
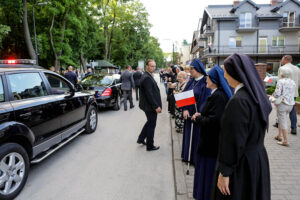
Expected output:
{"points": [[106, 92]]}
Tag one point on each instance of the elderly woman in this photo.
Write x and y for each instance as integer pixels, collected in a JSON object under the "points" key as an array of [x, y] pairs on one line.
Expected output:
{"points": [[179, 87], [209, 121], [242, 167], [198, 84], [285, 90]]}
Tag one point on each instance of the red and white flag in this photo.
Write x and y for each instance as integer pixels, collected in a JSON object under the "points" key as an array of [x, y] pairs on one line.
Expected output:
{"points": [[185, 98]]}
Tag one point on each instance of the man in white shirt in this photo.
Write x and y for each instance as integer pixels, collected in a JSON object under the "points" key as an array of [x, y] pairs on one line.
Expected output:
{"points": [[286, 62]]}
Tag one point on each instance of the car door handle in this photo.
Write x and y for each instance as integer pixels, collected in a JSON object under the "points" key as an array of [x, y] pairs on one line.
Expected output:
{"points": [[63, 105], [26, 115]]}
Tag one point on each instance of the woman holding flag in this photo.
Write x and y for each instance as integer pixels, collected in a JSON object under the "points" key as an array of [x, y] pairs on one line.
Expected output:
{"points": [[209, 121], [197, 84]]}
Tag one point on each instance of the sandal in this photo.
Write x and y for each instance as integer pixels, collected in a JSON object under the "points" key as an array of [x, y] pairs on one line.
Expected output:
{"points": [[278, 138], [283, 144]]}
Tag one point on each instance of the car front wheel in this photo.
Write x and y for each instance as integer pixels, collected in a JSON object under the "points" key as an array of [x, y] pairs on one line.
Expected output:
{"points": [[92, 120], [14, 167]]}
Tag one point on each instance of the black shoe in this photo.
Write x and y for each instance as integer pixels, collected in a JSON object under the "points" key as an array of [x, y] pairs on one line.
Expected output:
{"points": [[131, 107], [275, 125], [141, 142], [154, 148], [125, 109], [294, 131]]}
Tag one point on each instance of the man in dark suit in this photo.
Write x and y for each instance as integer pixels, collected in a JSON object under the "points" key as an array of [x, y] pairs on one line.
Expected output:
{"points": [[127, 86], [137, 81], [150, 103], [71, 76]]}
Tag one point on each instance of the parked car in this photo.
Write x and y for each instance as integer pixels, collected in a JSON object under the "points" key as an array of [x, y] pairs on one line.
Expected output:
{"points": [[271, 79], [107, 89], [40, 111]]}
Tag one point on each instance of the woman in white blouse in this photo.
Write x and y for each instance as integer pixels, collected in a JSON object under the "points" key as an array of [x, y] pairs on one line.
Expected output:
{"points": [[285, 90]]}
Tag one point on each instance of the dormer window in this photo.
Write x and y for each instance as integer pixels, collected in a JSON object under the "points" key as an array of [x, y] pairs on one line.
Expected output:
{"points": [[288, 19], [246, 20]]}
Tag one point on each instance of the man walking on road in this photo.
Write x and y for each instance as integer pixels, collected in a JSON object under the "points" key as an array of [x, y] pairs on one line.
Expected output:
{"points": [[150, 103], [71, 76], [137, 80], [286, 62], [127, 86]]}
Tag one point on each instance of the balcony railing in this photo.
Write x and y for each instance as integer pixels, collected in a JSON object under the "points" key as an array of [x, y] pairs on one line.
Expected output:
{"points": [[251, 50], [207, 29], [291, 26]]}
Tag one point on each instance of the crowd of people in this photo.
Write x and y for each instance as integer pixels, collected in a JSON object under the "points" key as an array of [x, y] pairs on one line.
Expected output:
{"points": [[230, 119]]}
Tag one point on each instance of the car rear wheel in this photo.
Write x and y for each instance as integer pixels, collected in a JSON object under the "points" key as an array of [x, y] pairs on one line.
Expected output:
{"points": [[118, 103], [92, 120], [14, 167]]}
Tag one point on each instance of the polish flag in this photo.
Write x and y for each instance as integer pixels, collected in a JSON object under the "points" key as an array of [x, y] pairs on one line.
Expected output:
{"points": [[185, 98], [268, 80]]}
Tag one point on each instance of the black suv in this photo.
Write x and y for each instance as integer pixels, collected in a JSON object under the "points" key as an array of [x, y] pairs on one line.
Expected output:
{"points": [[40, 111]]}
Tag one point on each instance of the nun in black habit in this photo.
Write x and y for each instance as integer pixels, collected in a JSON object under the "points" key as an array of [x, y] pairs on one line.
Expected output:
{"points": [[209, 122], [201, 93], [242, 168]]}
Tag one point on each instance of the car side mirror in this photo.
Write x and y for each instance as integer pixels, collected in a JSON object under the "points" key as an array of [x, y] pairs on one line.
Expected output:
{"points": [[72, 91]]}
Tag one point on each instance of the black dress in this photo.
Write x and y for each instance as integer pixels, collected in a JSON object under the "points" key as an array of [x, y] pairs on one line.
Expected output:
{"points": [[209, 121], [242, 155]]}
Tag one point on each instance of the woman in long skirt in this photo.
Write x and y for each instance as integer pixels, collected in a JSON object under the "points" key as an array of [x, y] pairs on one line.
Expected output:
{"points": [[209, 121], [242, 169]]}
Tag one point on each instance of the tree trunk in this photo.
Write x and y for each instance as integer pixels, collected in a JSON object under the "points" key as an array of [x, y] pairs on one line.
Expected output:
{"points": [[82, 60], [56, 63], [62, 37], [111, 35], [105, 31], [106, 42], [28, 41]]}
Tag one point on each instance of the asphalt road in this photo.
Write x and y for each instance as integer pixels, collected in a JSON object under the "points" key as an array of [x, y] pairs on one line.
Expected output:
{"points": [[108, 164]]}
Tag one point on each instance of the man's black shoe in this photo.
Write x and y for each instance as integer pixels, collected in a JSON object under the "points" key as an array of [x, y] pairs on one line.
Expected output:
{"points": [[141, 142], [131, 106], [275, 125], [294, 131], [153, 148], [125, 109]]}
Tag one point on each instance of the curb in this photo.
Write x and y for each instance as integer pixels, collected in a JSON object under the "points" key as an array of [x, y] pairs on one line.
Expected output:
{"points": [[181, 190]]}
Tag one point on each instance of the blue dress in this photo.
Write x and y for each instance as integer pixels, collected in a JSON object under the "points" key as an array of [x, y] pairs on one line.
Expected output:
{"points": [[201, 94]]}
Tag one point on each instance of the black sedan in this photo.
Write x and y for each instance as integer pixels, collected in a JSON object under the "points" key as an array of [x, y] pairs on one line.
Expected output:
{"points": [[107, 89]]}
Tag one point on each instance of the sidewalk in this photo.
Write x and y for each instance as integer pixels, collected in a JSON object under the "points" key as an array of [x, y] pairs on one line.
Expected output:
{"points": [[284, 166]]}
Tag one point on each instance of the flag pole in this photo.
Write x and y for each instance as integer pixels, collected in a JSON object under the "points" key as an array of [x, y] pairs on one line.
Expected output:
{"points": [[190, 147]]}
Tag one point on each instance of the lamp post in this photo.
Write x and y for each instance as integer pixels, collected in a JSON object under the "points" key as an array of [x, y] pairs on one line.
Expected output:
{"points": [[34, 30], [173, 51]]}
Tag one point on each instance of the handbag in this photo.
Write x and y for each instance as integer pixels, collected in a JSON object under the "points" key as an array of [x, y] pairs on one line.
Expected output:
{"points": [[275, 100]]}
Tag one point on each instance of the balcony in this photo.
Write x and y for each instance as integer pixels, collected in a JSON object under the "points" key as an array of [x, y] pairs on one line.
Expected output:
{"points": [[207, 30], [252, 50], [243, 28], [289, 27], [203, 37]]}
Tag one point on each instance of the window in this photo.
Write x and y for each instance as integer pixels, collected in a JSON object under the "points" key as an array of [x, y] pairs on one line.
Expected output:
{"points": [[58, 85], [288, 19], [246, 20], [278, 41], [26, 85], [235, 42], [263, 41], [1, 90]]}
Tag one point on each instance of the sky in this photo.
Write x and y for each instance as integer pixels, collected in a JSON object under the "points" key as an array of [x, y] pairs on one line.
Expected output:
{"points": [[175, 20]]}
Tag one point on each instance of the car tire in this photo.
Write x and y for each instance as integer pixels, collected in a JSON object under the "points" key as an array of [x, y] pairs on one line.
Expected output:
{"points": [[16, 170], [92, 120], [117, 103]]}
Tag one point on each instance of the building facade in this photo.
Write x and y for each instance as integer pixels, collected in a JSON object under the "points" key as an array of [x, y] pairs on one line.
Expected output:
{"points": [[265, 32]]}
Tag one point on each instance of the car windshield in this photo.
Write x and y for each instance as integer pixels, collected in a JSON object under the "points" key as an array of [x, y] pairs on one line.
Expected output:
{"points": [[97, 80]]}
